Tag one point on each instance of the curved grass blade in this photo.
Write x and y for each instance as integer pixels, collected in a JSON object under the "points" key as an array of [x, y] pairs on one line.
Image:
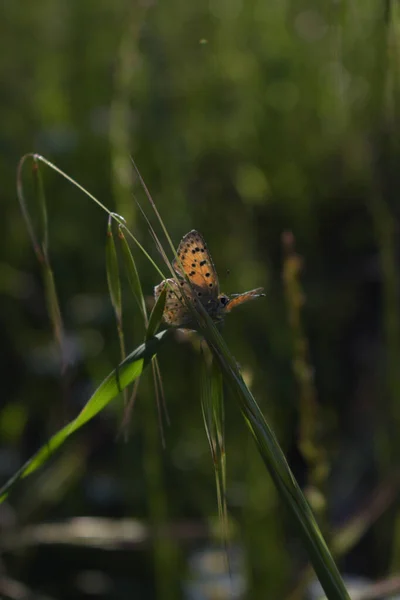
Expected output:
{"points": [[120, 220], [127, 371], [43, 223], [40, 243], [113, 280]]}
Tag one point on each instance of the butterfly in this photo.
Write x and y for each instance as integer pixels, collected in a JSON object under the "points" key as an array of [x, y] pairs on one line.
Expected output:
{"points": [[196, 263]]}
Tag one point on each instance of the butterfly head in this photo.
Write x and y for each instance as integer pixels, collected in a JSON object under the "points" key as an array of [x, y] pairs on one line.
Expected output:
{"points": [[223, 301]]}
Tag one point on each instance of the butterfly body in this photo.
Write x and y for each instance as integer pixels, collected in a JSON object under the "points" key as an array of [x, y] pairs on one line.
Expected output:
{"points": [[194, 262]]}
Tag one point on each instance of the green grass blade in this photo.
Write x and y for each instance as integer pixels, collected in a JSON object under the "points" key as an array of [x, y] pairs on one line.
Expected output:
{"points": [[120, 220], [113, 280], [114, 288], [40, 246], [41, 197], [53, 307], [156, 314], [24, 207], [126, 372], [132, 274]]}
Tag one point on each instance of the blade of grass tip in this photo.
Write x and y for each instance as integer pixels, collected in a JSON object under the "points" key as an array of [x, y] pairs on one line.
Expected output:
{"points": [[133, 275], [24, 208], [129, 370], [38, 182], [120, 220], [53, 305], [113, 278], [52, 166]]}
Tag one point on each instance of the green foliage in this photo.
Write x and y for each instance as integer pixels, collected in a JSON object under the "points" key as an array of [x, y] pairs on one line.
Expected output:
{"points": [[246, 120], [129, 370]]}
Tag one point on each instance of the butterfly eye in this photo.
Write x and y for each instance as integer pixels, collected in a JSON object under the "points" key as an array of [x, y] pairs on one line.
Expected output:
{"points": [[224, 300]]}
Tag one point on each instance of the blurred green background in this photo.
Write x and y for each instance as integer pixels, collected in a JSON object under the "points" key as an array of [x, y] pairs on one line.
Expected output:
{"points": [[247, 120]]}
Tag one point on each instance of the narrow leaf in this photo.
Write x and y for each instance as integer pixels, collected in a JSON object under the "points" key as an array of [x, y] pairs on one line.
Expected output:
{"points": [[118, 379], [132, 274], [156, 314], [53, 306], [41, 197], [114, 284]]}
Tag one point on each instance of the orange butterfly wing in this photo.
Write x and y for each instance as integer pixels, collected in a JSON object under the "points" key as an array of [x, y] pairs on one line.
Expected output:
{"points": [[195, 261]]}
